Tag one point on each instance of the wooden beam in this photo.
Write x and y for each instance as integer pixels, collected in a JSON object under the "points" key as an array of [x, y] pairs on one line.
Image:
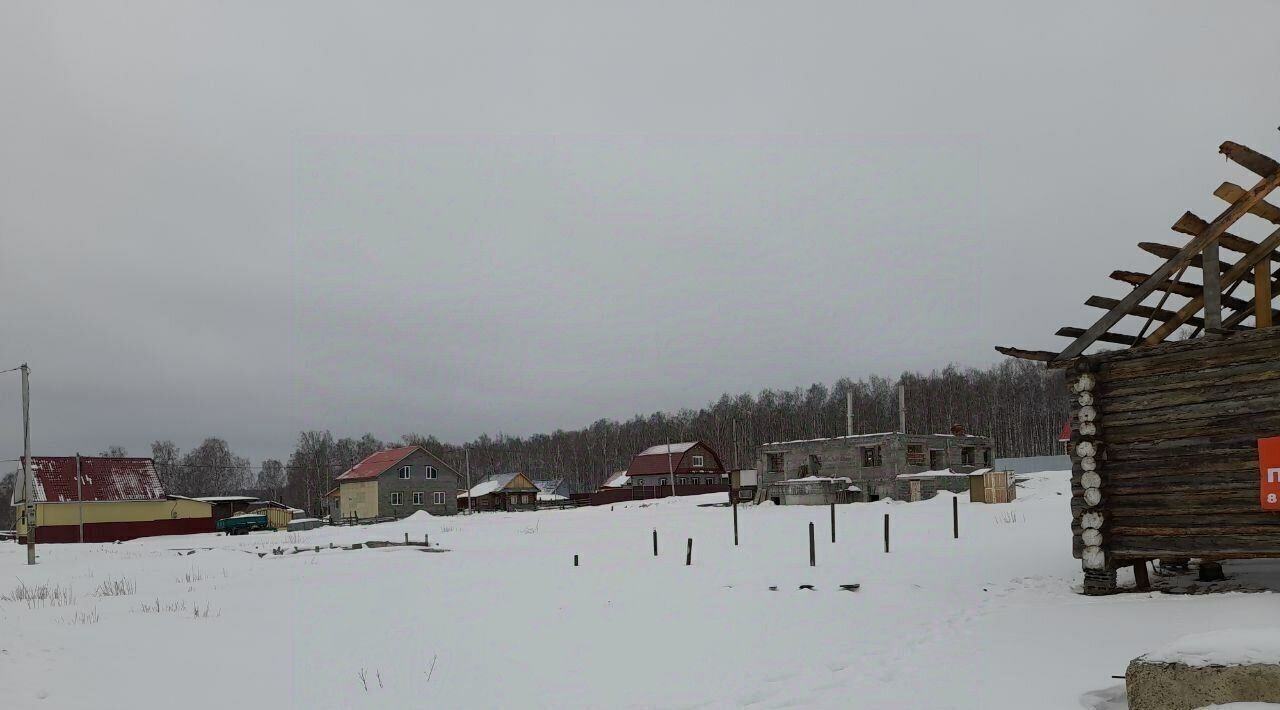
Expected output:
{"points": [[1159, 314], [1038, 355], [1262, 294], [1240, 314], [1250, 159], [1118, 338], [1166, 251], [1197, 244], [1190, 224], [1212, 298], [1177, 288], [1230, 192], [1208, 299]]}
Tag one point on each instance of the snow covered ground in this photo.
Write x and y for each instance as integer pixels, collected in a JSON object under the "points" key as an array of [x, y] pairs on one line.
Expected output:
{"points": [[504, 619]]}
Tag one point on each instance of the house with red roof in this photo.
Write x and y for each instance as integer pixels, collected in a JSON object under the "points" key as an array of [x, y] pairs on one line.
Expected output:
{"points": [[396, 483], [689, 463], [99, 499]]}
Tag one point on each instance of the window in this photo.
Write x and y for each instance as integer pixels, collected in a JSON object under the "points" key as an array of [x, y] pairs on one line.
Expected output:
{"points": [[966, 456], [397, 498], [775, 463], [871, 457], [431, 472], [662, 481], [682, 481], [406, 471], [697, 461], [744, 494], [710, 481], [937, 459], [815, 464], [986, 457], [418, 497], [438, 497], [915, 454]]}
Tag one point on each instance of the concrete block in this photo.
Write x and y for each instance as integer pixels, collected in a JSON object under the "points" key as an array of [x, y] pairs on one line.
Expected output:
{"points": [[1178, 686]]}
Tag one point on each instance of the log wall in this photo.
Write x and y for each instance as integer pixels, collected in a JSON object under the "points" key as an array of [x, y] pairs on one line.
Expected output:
{"points": [[1164, 451]]}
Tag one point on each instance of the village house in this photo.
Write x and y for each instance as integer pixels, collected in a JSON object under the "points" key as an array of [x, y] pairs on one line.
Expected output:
{"points": [[1172, 437], [872, 462], [396, 483], [690, 463], [501, 491], [95, 499]]}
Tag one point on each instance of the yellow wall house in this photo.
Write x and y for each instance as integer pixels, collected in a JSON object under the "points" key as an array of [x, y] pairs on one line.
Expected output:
{"points": [[92, 499]]}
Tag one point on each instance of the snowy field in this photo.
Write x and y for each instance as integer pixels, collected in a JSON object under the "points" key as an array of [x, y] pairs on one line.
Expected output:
{"points": [[504, 620]]}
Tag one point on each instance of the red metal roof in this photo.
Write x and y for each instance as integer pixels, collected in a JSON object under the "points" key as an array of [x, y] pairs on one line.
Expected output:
{"points": [[101, 479], [376, 464], [646, 464]]}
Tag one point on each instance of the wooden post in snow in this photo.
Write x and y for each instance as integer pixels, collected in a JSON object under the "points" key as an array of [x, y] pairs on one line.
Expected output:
{"points": [[813, 552], [955, 517], [886, 533], [655, 542], [688, 554], [735, 521], [1140, 577], [833, 522], [575, 560]]}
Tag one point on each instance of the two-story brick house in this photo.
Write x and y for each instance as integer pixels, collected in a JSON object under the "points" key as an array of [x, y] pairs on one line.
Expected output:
{"points": [[690, 463], [397, 483]]}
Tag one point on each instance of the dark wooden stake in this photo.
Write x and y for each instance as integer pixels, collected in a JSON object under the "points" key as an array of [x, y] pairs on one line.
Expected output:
{"points": [[1140, 576], [735, 522], [833, 522], [813, 552], [886, 533], [655, 543], [575, 560], [406, 538], [955, 517], [426, 539], [688, 554]]}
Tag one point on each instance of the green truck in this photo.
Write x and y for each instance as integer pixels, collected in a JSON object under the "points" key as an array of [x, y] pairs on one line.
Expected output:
{"points": [[243, 523]]}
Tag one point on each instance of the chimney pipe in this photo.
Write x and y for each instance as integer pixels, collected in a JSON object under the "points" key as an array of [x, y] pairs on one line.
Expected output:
{"points": [[848, 412], [902, 408]]}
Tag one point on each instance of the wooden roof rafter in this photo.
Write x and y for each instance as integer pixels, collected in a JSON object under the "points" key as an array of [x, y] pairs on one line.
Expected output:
{"points": [[1220, 278]]}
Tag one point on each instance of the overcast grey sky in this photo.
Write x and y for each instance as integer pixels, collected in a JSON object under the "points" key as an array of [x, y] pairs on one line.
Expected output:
{"points": [[244, 219]]}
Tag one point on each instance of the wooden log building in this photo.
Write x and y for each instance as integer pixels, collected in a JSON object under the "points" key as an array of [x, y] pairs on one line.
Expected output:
{"points": [[1172, 442]]}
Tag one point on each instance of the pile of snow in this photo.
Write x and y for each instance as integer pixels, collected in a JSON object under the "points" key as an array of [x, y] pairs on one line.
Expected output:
{"points": [[1223, 647]]}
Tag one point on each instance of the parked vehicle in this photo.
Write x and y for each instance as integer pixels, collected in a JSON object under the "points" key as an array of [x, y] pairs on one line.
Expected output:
{"points": [[243, 523]]}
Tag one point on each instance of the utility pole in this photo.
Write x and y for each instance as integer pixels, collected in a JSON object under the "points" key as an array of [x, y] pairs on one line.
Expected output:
{"points": [[28, 479], [671, 471], [467, 454]]}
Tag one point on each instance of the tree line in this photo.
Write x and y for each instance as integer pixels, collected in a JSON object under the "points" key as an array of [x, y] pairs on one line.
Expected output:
{"points": [[1020, 404]]}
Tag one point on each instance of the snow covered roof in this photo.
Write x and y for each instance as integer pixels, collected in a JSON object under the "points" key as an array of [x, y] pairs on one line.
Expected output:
{"points": [[551, 497], [101, 479], [811, 479], [550, 485], [226, 499], [617, 480], [376, 464], [932, 474], [494, 483], [654, 460], [662, 448], [873, 436]]}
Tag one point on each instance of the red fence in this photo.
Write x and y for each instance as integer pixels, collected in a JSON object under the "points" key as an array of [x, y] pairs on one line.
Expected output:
{"points": [[630, 493]]}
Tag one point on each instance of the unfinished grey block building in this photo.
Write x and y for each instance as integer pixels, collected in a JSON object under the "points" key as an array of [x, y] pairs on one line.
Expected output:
{"points": [[872, 461]]}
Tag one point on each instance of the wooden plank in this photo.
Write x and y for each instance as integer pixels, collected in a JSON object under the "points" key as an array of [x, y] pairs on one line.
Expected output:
{"points": [[1119, 338], [1262, 294], [1230, 192], [1250, 159], [1178, 288], [1038, 355], [1212, 298], [1168, 251], [1197, 244], [1159, 314]]}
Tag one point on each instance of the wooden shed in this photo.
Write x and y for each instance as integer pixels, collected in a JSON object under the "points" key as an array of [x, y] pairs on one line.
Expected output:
{"points": [[991, 486], [1169, 440]]}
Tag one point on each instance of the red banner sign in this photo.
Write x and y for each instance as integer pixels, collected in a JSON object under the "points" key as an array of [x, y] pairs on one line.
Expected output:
{"points": [[1269, 472]]}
